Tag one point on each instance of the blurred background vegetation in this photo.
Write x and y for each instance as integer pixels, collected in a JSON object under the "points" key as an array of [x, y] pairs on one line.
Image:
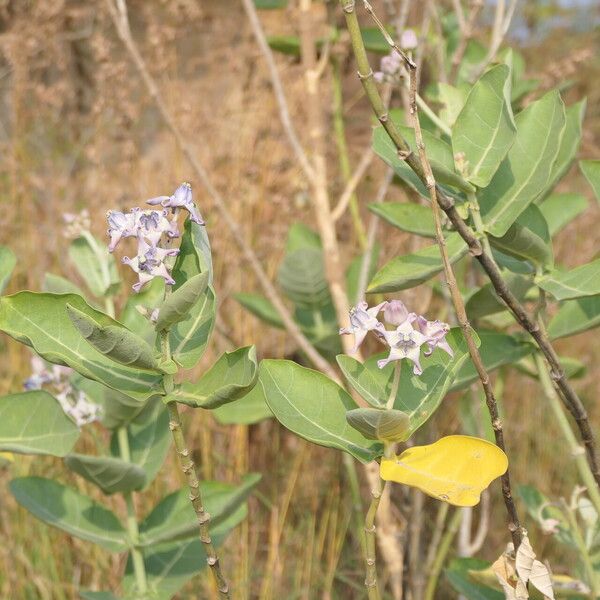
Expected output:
{"points": [[77, 130]]}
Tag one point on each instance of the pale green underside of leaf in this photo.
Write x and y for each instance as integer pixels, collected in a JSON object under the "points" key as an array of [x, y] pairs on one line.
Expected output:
{"points": [[407, 216], [485, 128], [40, 320], [591, 170], [34, 423], [577, 283], [560, 209], [67, 509], [8, 260], [314, 407], [526, 170], [404, 272], [575, 316], [249, 409]]}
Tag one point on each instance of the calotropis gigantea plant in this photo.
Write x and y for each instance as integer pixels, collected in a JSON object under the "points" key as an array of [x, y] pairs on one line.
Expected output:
{"points": [[121, 375]]}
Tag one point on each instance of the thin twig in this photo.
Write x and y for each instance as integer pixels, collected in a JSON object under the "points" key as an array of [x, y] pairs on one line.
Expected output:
{"points": [[120, 19], [486, 260], [457, 300], [284, 112]]}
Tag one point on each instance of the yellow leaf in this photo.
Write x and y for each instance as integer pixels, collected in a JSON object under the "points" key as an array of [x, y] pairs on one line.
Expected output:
{"points": [[456, 469], [6, 456]]}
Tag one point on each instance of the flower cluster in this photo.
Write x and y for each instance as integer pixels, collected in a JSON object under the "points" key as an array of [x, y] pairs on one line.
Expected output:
{"points": [[76, 224], [73, 402], [391, 65], [410, 332], [148, 227]]}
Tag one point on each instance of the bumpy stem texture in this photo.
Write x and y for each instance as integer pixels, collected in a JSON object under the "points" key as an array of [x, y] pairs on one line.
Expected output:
{"points": [[527, 322], [370, 541]]}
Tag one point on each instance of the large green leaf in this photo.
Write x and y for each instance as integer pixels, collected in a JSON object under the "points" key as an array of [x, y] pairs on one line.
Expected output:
{"points": [[526, 170], [40, 320], [314, 407], [591, 170], [407, 271], [114, 341], [173, 518], [149, 439], [485, 128], [67, 509], [560, 209], [301, 276], [528, 238], [575, 316], [497, 349], [453, 99], [485, 302], [569, 144], [418, 396], [189, 337], [96, 265], [249, 409], [8, 260], [576, 283], [110, 474], [230, 378], [34, 423], [407, 216], [260, 307]]}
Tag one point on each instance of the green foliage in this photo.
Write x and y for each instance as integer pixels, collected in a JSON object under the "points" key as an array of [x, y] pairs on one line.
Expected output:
{"points": [[577, 283], [591, 170], [55, 284], [247, 410], [377, 424], [409, 270], [314, 407], [230, 378], [8, 260], [524, 173], [111, 475], [260, 307], [177, 305], [575, 316], [35, 423], [95, 265], [560, 209], [485, 129], [462, 575], [40, 320], [301, 277], [407, 216], [67, 509]]}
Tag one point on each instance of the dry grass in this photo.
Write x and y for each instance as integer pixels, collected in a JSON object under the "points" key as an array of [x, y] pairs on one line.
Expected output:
{"points": [[77, 130]]}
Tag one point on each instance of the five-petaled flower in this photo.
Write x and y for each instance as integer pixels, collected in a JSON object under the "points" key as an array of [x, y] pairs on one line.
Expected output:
{"points": [[404, 341], [181, 198]]}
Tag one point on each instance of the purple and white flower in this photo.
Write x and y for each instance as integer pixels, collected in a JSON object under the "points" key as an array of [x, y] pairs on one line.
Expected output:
{"points": [[181, 198], [121, 225], [435, 332], [404, 342], [395, 313], [363, 320]]}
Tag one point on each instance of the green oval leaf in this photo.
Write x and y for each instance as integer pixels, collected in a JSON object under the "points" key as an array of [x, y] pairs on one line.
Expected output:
{"points": [[380, 424], [247, 410], [67, 509], [407, 271], [230, 378], [34, 423], [96, 265], [485, 128], [576, 283], [55, 284], [40, 320], [314, 407], [407, 216], [115, 342], [525, 171], [560, 209], [260, 307], [111, 475], [8, 260], [574, 317], [591, 170], [178, 304]]}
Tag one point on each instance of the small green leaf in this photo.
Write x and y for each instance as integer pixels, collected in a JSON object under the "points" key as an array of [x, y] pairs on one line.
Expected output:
{"points": [[98, 595], [314, 407], [300, 236], [497, 349], [407, 271], [353, 273], [574, 317], [230, 378], [114, 341], [528, 238], [301, 276], [286, 44], [34, 423], [247, 410], [189, 337], [270, 4], [485, 129], [260, 307], [149, 439], [55, 284], [462, 576], [111, 475], [485, 302], [591, 170], [380, 424], [96, 265], [560, 209], [173, 518], [178, 304], [407, 216], [8, 260], [41, 321], [453, 99], [526, 170], [67, 509], [374, 40], [576, 283]]}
